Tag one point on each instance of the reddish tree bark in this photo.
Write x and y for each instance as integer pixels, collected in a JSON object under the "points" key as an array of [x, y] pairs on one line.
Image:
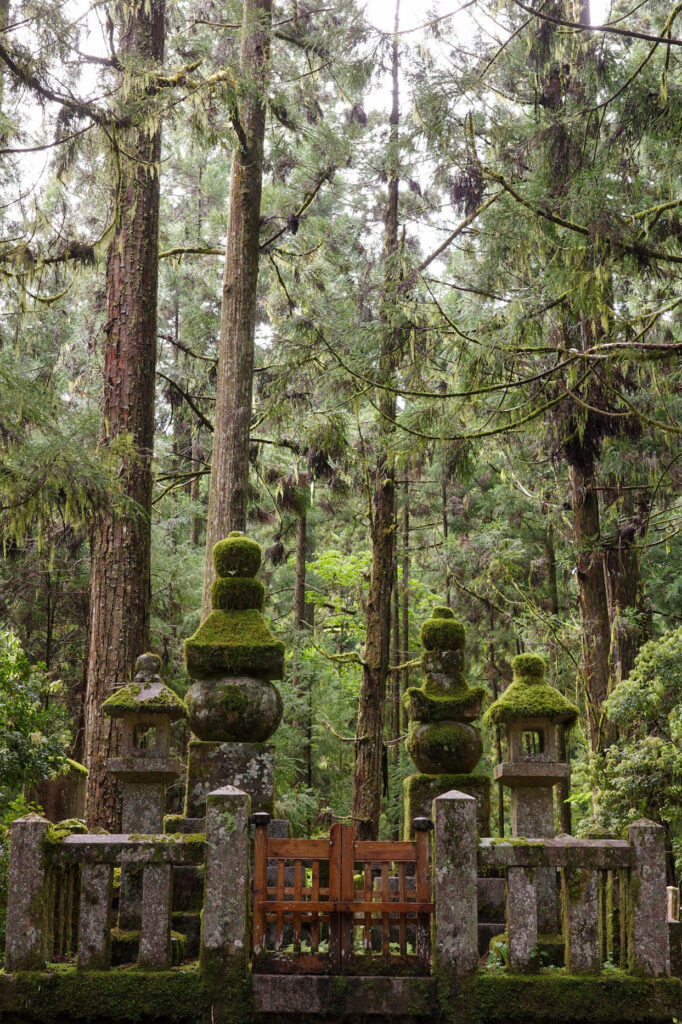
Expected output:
{"points": [[120, 587]]}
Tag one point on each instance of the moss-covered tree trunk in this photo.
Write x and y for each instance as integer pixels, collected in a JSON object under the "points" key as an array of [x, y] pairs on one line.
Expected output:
{"points": [[368, 767], [232, 426], [120, 587], [592, 596]]}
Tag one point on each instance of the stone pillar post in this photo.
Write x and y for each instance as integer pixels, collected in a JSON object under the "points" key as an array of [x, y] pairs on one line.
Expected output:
{"points": [[225, 934], [94, 943], [455, 950], [522, 918], [649, 942], [580, 909], [25, 941]]}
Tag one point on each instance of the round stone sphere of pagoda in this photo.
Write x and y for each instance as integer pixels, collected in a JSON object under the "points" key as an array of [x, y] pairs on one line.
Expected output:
{"points": [[234, 709]]}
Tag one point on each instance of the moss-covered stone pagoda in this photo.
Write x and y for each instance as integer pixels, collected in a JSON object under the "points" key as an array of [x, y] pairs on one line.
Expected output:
{"points": [[442, 741]]}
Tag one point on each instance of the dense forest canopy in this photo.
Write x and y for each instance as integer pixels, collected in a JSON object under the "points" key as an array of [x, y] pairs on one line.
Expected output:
{"points": [[401, 301]]}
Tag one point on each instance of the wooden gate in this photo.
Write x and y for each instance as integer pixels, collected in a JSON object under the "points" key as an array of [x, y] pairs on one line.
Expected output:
{"points": [[339, 906]]}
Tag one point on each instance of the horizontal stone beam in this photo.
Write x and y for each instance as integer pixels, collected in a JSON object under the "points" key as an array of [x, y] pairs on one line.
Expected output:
{"points": [[136, 849], [554, 853]]}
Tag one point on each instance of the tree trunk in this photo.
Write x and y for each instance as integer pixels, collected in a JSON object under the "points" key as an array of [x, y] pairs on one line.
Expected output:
{"points": [[625, 594], [594, 618], [120, 584], [197, 456], [405, 601], [367, 774], [230, 460]]}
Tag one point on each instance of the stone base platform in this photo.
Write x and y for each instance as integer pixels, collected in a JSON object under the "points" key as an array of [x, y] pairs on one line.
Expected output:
{"points": [[248, 766], [66, 995], [422, 790]]}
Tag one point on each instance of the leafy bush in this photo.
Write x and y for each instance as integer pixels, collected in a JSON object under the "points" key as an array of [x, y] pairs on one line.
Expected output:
{"points": [[642, 774], [33, 724]]}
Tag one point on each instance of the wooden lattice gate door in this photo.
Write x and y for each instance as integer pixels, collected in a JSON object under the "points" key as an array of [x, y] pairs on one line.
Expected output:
{"points": [[337, 906]]}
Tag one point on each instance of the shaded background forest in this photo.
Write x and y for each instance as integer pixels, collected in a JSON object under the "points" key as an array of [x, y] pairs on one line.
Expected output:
{"points": [[467, 286]]}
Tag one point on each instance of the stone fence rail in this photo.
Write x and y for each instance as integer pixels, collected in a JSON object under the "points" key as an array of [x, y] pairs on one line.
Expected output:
{"points": [[602, 881], [617, 884]]}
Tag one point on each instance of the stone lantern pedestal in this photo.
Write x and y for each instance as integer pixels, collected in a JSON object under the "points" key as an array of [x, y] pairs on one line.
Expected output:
{"points": [[531, 711]]}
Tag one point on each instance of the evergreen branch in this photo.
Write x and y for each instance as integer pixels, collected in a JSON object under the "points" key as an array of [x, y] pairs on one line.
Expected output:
{"points": [[347, 658], [640, 251], [33, 83], [628, 33], [459, 229], [469, 393], [345, 739], [307, 200], [195, 409], [190, 250], [184, 348]]}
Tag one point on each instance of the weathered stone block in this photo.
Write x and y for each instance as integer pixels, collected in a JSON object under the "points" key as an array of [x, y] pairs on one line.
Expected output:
{"points": [[156, 917], [522, 919], [226, 936], [455, 948], [580, 910], [94, 948], [247, 766], [421, 790], [25, 939], [649, 943]]}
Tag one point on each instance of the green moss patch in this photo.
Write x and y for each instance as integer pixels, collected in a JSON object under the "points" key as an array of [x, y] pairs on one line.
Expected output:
{"points": [[531, 665], [236, 642], [444, 634], [441, 611], [154, 698], [436, 707], [538, 700], [237, 593], [66, 995], [554, 996], [236, 556]]}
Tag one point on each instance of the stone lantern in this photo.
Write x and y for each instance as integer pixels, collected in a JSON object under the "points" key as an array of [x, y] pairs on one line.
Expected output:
{"points": [[531, 711], [146, 708]]}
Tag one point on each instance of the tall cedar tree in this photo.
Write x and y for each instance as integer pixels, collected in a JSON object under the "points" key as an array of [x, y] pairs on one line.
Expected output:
{"points": [[369, 745], [120, 583], [232, 424]]}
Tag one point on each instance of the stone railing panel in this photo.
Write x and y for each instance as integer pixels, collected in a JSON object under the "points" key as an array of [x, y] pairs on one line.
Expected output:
{"points": [[94, 947]]}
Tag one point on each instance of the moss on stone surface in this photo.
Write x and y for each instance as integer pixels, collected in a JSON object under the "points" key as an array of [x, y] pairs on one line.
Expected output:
{"points": [[529, 665], [237, 594], [236, 642], [554, 996], [444, 634], [420, 790], [236, 556], [441, 611], [153, 699], [443, 742], [64, 994], [437, 707], [530, 696]]}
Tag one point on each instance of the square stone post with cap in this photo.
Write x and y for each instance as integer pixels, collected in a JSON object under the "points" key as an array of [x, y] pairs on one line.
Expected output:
{"points": [[25, 939], [226, 933], [455, 947]]}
